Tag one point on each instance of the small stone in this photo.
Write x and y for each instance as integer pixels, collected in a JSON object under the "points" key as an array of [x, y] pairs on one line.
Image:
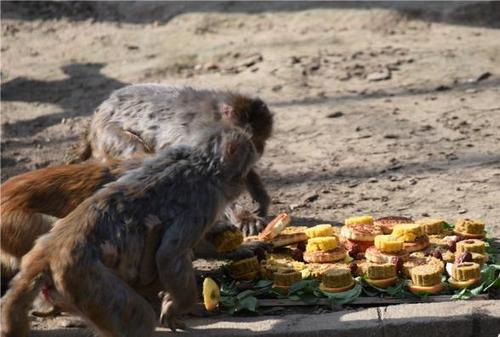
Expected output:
{"points": [[462, 211], [412, 181], [252, 60], [277, 87], [373, 180], [442, 88], [471, 91], [379, 76], [335, 114], [311, 197], [210, 66], [391, 136], [483, 76]]}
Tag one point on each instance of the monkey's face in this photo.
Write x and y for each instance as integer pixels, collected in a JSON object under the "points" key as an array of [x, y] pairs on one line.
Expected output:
{"points": [[251, 114]]}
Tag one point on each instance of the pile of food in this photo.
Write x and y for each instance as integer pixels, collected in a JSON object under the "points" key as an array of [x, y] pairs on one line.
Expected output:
{"points": [[389, 256]]}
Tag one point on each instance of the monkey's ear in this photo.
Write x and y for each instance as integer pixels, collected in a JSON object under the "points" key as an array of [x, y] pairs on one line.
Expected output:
{"points": [[227, 111]]}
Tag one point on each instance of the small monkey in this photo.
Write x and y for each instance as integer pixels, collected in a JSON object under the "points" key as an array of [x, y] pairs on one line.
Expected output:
{"points": [[143, 119], [183, 188], [32, 202]]}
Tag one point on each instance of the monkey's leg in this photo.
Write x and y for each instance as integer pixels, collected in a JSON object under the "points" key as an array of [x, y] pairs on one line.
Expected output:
{"points": [[176, 273], [17, 301], [107, 301], [18, 231], [114, 142]]}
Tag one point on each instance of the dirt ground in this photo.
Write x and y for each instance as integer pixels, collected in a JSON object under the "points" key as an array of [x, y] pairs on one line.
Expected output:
{"points": [[380, 108]]}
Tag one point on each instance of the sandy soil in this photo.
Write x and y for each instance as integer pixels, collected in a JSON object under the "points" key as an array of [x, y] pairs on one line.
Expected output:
{"points": [[379, 108]]}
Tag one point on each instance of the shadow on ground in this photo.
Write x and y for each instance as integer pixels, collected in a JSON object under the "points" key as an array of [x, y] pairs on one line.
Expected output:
{"points": [[84, 88]]}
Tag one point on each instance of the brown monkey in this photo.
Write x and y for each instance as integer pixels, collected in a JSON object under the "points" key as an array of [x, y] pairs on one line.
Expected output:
{"points": [[32, 202], [142, 119], [185, 189]]}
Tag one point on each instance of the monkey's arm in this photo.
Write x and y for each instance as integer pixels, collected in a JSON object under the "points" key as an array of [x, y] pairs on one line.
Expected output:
{"points": [[251, 223], [258, 192]]}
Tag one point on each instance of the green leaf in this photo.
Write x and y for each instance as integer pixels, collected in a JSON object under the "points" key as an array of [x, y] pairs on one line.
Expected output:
{"points": [[248, 303], [263, 284], [244, 294], [346, 296], [294, 298], [448, 226]]}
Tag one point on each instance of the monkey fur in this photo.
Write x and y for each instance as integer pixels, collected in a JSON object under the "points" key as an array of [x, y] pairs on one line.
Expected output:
{"points": [[185, 189], [145, 118]]}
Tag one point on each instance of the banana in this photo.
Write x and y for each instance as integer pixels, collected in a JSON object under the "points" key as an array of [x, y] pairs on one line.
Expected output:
{"points": [[319, 231], [388, 243], [211, 294], [321, 244]]}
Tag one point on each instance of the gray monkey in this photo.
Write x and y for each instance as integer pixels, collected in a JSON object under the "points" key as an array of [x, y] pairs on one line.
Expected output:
{"points": [[143, 119], [183, 189]]}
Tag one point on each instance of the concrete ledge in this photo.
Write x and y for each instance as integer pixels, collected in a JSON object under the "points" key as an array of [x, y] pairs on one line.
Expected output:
{"points": [[454, 319]]}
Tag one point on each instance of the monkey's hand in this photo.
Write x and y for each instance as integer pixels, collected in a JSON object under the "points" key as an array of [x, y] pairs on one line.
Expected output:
{"points": [[169, 313], [249, 249], [248, 222]]}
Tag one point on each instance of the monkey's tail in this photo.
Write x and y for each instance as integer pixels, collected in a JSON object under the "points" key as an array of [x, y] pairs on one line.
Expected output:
{"points": [[24, 288], [82, 150]]}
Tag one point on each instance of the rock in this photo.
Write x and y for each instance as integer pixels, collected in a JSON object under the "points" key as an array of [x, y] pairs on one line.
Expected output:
{"points": [[277, 87], [373, 180], [471, 91], [462, 211], [379, 76], [335, 114], [442, 88], [210, 66], [483, 76], [391, 136], [251, 60], [311, 197]]}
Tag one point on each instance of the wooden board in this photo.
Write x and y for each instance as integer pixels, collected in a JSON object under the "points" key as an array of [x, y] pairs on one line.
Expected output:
{"points": [[364, 301]]}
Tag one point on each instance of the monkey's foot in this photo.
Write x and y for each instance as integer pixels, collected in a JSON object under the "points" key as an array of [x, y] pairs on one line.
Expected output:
{"points": [[168, 316], [53, 312]]}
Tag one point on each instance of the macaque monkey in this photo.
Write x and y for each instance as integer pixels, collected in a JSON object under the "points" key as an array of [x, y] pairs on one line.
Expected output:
{"points": [[184, 189], [143, 119], [32, 202]]}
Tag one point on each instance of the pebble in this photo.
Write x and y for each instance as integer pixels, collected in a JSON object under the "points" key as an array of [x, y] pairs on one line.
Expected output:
{"points": [[379, 76], [335, 114]]}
